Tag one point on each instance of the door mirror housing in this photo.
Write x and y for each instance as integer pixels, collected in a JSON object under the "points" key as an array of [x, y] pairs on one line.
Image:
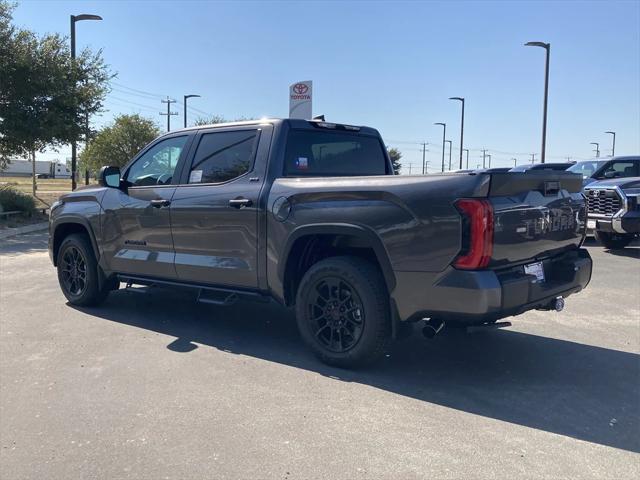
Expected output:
{"points": [[110, 177], [610, 174]]}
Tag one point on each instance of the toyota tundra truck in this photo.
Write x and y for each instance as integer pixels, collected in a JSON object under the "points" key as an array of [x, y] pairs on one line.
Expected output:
{"points": [[310, 214]]}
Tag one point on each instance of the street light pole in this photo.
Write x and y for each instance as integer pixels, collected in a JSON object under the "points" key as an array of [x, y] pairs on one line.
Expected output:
{"points": [[185, 108], [450, 145], [460, 99], [613, 147], [547, 47], [597, 150], [74, 147], [467, 150], [444, 135]]}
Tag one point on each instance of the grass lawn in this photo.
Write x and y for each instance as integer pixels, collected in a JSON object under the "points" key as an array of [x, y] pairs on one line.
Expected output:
{"points": [[48, 189]]}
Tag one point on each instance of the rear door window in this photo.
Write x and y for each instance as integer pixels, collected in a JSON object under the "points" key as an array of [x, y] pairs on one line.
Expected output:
{"points": [[223, 156], [321, 153]]}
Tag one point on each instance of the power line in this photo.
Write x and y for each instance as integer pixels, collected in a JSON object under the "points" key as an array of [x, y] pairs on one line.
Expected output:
{"points": [[143, 92]]}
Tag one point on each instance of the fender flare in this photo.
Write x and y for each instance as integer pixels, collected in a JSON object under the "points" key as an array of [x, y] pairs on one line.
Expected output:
{"points": [[365, 233], [77, 220]]}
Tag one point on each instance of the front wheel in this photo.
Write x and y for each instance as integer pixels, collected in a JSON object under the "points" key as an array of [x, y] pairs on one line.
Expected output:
{"points": [[78, 272], [342, 310], [613, 241]]}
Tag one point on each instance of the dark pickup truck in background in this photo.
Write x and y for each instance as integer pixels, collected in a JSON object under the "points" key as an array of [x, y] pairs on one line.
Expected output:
{"points": [[310, 214]]}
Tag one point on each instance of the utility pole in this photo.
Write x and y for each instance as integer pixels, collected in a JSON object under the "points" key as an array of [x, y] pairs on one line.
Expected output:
{"points": [[515, 162], [597, 150], [424, 153], [426, 169], [168, 101], [533, 158], [467, 150], [489, 155], [450, 146], [484, 156]]}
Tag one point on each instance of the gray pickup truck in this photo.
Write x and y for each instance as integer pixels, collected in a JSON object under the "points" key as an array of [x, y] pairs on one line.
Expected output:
{"points": [[309, 213]]}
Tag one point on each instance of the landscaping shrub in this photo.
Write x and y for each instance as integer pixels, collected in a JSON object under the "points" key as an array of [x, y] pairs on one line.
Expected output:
{"points": [[11, 199]]}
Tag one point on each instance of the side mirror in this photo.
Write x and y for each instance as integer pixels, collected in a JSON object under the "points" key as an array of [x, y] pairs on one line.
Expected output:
{"points": [[109, 177], [610, 174]]}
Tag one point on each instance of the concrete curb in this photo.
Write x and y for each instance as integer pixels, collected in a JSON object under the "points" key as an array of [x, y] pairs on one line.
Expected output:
{"points": [[36, 227]]}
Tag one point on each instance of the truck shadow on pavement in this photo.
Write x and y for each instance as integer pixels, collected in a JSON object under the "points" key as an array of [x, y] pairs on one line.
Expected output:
{"points": [[580, 391]]}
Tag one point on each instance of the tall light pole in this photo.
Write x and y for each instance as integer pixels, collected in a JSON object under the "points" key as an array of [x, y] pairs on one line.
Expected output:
{"points": [[444, 134], [547, 47], [613, 147], [460, 99], [450, 145], [597, 150], [467, 150], [185, 108], [74, 147]]}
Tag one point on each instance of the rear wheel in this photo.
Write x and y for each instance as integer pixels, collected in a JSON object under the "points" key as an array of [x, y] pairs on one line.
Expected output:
{"points": [[78, 272], [342, 310], [613, 241]]}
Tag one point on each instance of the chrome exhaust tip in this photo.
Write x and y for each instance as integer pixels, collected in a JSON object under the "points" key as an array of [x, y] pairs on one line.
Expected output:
{"points": [[432, 327]]}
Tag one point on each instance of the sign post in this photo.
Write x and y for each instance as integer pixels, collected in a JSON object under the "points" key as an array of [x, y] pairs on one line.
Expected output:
{"points": [[300, 95]]}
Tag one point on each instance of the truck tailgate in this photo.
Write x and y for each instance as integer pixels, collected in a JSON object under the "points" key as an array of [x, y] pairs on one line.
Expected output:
{"points": [[536, 214]]}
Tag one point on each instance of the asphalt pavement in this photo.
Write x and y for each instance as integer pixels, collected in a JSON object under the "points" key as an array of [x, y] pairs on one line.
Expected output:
{"points": [[152, 385]]}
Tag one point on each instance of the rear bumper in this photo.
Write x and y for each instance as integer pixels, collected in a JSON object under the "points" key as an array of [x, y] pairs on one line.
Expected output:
{"points": [[473, 297]]}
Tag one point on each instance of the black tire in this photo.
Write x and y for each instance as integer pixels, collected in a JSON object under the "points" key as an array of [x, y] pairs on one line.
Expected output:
{"points": [[613, 241], [78, 272], [342, 310]]}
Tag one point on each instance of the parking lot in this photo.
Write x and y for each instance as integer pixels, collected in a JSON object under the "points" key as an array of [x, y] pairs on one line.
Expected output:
{"points": [[153, 385]]}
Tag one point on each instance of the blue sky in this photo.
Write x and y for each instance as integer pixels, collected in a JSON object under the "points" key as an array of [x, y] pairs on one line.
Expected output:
{"points": [[390, 65]]}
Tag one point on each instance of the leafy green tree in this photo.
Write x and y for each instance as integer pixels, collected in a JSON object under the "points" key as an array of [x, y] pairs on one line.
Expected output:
{"points": [[119, 142], [45, 97], [395, 156]]}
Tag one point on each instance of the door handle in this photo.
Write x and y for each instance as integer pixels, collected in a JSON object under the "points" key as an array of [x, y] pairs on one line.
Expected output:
{"points": [[240, 202], [160, 203]]}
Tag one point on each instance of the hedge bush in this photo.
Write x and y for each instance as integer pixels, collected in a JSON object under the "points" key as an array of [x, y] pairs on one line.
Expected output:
{"points": [[11, 199]]}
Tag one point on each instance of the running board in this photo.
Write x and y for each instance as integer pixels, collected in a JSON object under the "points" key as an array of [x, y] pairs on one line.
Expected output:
{"points": [[228, 300], [206, 294]]}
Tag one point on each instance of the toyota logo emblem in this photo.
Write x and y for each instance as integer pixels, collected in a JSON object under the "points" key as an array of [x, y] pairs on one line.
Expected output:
{"points": [[300, 88]]}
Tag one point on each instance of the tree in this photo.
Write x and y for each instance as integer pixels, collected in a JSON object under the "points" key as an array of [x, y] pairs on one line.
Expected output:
{"points": [[45, 97], [209, 121], [119, 142], [395, 156], [217, 119]]}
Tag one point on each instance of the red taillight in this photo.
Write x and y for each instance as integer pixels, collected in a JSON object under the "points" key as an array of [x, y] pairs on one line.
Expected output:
{"points": [[477, 233]]}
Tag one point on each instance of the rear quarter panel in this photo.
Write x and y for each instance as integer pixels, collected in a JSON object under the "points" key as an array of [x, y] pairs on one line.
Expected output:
{"points": [[414, 217]]}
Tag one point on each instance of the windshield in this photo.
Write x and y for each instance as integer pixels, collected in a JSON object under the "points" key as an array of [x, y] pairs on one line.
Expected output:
{"points": [[587, 167]]}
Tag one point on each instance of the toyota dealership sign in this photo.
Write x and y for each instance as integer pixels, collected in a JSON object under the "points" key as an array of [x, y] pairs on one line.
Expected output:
{"points": [[300, 100]]}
